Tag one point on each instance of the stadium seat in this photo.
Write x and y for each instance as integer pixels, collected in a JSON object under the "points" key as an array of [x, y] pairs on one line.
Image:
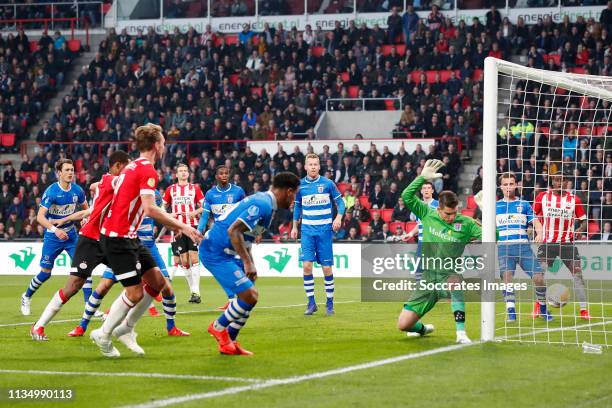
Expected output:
{"points": [[554, 57], [477, 75], [32, 174], [353, 91], [78, 165], [393, 226], [74, 45], [409, 226], [342, 187], [431, 76], [34, 46], [106, 7], [445, 75], [593, 228], [374, 211], [390, 104], [7, 139], [365, 202], [415, 76], [134, 67], [100, 122], [258, 90], [578, 70], [471, 203], [344, 76], [364, 227], [468, 212], [231, 39], [386, 214], [318, 51], [233, 78]]}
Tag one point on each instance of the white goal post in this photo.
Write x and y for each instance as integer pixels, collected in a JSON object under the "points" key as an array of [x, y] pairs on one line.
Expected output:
{"points": [[500, 78]]}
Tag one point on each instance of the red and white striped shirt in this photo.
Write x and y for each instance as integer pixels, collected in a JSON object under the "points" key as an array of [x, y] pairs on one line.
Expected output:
{"points": [[100, 204], [183, 200], [558, 214], [126, 212]]}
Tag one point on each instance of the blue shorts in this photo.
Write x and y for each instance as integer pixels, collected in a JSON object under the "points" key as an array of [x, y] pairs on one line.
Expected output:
{"points": [[226, 268], [53, 246], [518, 253], [159, 260], [150, 245], [318, 247]]}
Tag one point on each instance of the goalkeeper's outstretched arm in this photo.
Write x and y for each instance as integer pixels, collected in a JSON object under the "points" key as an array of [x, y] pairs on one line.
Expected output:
{"points": [[409, 195]]}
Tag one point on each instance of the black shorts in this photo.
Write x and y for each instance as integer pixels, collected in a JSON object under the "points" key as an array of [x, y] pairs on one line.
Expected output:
{"points": [[568, 253], [128, 259], [182, 245], [87, 256]]}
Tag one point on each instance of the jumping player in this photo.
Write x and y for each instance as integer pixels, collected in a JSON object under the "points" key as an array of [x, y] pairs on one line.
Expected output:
{"points": [[225, 240], [59, 200], [184, 197], [87, 255], [313, 203], [131, 262]]}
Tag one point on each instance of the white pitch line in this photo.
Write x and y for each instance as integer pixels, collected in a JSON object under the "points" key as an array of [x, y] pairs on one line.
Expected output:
{"points": [[296, 379], [182, 312], [142, 375], [321, 374]]}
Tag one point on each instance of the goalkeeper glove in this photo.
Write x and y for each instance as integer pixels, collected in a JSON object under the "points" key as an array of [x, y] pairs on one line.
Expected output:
{"points": [[430, 170]]}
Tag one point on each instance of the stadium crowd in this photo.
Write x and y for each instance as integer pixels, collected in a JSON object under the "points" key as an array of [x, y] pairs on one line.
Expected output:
{"points": [[273, 85]]}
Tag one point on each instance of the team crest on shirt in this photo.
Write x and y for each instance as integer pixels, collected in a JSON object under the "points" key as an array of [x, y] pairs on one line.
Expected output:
{"points": [[253, 211], [74, 198], [320, 189], [457, 226], [238, 274], [519, 208], [230, 200], [151, 182]]}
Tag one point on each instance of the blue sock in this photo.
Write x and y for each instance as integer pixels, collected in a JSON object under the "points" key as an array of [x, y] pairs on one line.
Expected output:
{"points": [[169, 304], [87, 289], [329, 288], [309, 288], [36, 282], [93, 303], [234, 317]]}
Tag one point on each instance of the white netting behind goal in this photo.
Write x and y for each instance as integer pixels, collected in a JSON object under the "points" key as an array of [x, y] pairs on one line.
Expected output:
{"points": [[549, 126]]}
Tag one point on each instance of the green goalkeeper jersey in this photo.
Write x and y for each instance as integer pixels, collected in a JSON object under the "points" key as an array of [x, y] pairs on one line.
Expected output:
{"points": [[442, 242]]}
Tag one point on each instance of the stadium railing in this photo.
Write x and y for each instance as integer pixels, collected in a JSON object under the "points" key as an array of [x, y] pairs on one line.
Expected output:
{"points": [[373, 104], [74, 45], [81, 11]]}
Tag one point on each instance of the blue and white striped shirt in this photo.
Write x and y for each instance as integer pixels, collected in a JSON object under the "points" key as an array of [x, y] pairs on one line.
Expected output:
{"points": [[145, 231], [512, 219], [314, 203], [61, 203], [433, 204]]}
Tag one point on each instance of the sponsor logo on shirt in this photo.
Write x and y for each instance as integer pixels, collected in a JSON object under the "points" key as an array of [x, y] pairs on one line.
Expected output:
{"points": [[316, 199]]}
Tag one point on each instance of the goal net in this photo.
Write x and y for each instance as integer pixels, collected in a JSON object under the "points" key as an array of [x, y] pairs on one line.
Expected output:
{"points": [[552, 131]]}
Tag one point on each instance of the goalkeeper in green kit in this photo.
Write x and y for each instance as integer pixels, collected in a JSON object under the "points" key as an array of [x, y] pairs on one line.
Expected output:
{"points": [[445, 235]]}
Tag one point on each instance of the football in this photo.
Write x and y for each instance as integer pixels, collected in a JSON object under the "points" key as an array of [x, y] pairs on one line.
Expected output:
{"points": [[557, 295]]}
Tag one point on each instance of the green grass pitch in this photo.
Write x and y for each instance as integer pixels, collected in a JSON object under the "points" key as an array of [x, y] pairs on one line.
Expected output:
{"points": [[293, 348]]}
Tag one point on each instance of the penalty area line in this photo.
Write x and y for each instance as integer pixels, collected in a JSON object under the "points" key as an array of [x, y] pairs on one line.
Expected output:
{"points": [[296, 379]]}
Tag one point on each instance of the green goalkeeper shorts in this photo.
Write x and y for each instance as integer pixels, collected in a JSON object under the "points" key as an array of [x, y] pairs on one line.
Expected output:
{"points": [[422, 301]]}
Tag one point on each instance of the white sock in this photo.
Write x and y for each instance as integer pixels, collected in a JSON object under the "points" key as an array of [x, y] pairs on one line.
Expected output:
{"points": [[195, 278], [172, 271], [188, 277], [137, 311], [118, 311], [54, 306]]}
